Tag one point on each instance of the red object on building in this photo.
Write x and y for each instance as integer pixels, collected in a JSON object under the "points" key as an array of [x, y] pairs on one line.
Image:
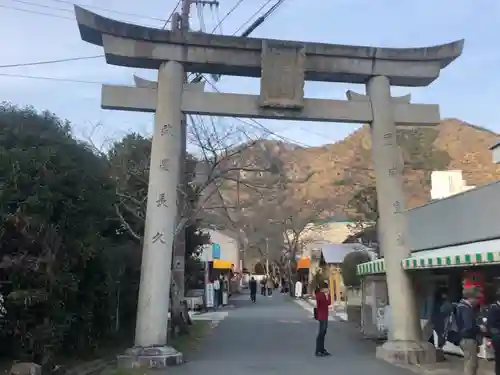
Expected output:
{"points": [[475, 279]]}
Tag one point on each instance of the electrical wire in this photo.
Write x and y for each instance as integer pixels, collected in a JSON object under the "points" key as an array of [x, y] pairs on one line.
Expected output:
{"points": [[252, 16], [252, 122], [201, 17], [31, 11], [36, 12], [41, 5], [50, 78], [280, 2], [171, 14], [227, 14], [33, 63], [217, 17], [88, 5], [256, 124]]}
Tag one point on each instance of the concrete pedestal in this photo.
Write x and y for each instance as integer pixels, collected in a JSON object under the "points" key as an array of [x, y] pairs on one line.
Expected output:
{"points": [[407, 352], [151, 358]]}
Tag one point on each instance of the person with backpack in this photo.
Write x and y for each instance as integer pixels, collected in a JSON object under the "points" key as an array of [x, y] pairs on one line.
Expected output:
{"points": [[469, 331], [442, 309], [493, 329]]}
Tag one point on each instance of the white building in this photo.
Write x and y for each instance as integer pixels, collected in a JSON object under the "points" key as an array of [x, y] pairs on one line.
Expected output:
{"points": [[447, 183], [229, 249], [495, 151]]}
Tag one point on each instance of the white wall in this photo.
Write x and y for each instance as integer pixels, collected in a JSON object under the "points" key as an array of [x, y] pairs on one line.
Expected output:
{"points": [[496, 155], [447, 183], [470, 216], [228, 248]]}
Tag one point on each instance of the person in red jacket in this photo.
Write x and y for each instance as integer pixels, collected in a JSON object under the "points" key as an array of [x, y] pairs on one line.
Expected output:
{"points": [[323, 300]]}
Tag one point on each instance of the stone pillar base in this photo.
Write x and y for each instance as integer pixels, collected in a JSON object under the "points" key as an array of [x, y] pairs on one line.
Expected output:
{"points": [[407, 352], [151, 358]]}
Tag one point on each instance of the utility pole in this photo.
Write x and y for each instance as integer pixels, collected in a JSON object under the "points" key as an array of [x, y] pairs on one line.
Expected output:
{"points": [[180, 23], [179, 263], [240, 237], [267, 258]]}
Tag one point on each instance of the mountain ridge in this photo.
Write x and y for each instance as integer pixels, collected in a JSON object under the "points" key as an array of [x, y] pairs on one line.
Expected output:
{"points": [[339, 169]]}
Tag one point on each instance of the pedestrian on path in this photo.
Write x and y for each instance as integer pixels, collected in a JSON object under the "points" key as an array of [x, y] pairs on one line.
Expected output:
{"points": [[323, 300], [270, 286], [469, 329], [217, 292], [298, 289], [441, 311], [493, 328], [252, 285]]}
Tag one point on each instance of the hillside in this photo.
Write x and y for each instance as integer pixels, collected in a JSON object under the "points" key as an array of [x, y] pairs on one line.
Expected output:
{"points": [[341, 168]]}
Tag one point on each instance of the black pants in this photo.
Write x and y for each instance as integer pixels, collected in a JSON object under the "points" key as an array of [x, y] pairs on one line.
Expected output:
{"points": [[496, 347], [253, 296], [269, 291], [320, 339]]}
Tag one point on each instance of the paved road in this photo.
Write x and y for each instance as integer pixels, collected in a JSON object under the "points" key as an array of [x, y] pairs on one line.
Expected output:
{"points": [[276, 336]]}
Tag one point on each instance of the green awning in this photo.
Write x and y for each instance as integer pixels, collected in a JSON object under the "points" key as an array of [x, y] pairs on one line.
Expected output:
{"points": [[370, 268], [469, 255]]}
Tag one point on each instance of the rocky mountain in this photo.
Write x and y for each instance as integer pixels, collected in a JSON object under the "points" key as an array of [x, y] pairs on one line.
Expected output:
{"points": [[340, 169]]}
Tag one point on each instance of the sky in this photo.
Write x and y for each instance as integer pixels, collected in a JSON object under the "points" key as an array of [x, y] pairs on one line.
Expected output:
{"points": [[467, 89]]}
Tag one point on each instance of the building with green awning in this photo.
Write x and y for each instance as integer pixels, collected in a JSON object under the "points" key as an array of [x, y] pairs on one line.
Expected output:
{"points": [[458, 231], [476, 254]]}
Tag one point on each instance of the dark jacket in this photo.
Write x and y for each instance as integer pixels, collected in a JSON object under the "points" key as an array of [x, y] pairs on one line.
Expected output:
{"points": [[467, 320], [252, 285], [493, 321]]}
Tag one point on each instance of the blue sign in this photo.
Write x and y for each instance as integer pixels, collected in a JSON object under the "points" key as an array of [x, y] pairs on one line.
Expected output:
{"points": [[215, 251]]}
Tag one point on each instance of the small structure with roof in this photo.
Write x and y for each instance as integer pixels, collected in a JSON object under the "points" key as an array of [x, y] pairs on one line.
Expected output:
{"points": [[332, 257], [495, 152]]}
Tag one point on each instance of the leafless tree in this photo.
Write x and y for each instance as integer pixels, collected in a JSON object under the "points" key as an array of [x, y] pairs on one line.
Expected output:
{"points": [[362, 210]]}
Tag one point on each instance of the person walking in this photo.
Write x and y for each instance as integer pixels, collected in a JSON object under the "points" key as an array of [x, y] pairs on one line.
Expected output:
{"points": [[493, 329], [252, 285], [270, 286], [469, 329], [217, 292], [298, 289], [323, 300], [442, 309]]}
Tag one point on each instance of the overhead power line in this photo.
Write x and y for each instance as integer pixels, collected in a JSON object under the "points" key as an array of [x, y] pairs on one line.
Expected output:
{"points": [[36, 12], [252, 17], [50, 78], [70, 11], [227, 15], [251, 122], [259, 21], [172, 14], [46, 62], [88, 5]]}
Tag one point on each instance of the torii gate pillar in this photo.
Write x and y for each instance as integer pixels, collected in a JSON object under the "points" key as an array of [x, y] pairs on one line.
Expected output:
{"points": [[161, 212], [404, 336]]}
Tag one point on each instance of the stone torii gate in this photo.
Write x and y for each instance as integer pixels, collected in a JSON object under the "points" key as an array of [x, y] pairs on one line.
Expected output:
{"points": [[283, 67]]}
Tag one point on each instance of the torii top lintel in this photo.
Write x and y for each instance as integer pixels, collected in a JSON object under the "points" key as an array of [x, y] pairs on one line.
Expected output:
{"points": [[142, 47]]}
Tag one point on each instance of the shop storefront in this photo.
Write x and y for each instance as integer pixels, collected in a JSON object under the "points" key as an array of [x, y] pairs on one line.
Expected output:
{"points": [[448, 269], [303, 265]]}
